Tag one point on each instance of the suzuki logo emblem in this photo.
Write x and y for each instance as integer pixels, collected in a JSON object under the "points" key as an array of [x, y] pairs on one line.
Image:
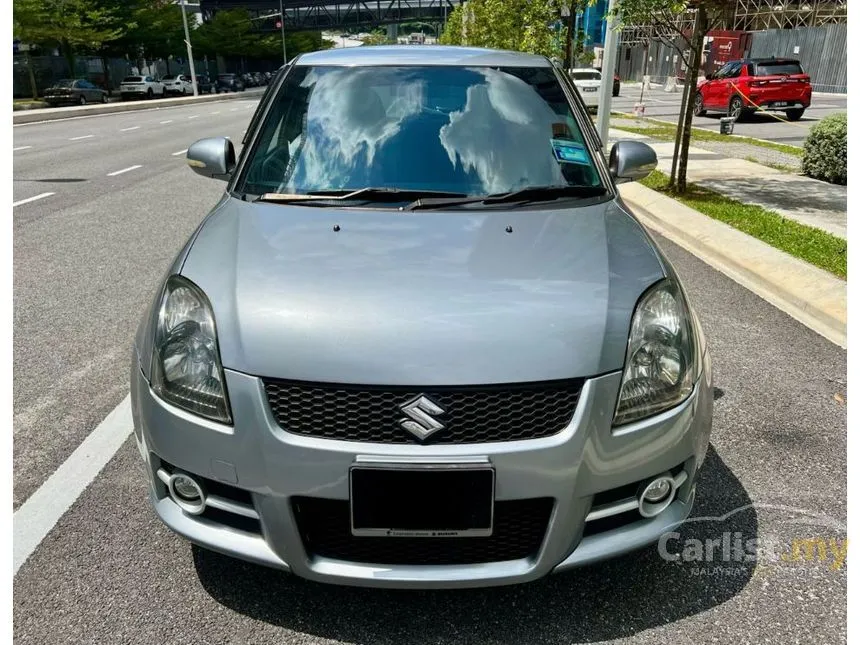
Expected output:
{"points": [[421, 421]]}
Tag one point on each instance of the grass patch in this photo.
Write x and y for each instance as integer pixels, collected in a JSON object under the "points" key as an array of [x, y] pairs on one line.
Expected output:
{"points": [[815, 246], [661, 130]]}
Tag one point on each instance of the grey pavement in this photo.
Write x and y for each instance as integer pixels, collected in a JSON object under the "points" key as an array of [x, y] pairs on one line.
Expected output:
{"points": [[808, 201], [89, 257], [667, 105]]}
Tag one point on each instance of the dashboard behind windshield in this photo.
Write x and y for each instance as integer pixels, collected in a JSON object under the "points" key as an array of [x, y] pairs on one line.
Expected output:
{"points": [[468, 130]]}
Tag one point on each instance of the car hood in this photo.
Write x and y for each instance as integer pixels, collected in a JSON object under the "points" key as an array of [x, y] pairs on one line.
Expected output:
{"points": [[422, 298]]}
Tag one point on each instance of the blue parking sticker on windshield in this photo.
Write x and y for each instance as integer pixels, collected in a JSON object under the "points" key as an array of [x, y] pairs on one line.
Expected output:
{"points": [[569, 152]]}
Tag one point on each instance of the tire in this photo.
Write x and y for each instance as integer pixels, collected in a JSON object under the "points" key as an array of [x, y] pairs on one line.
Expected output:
{"points": [[184, 91], [149, 94], [794, 114], [104, 98], [699, 106], [736, 108], [82, 100]]}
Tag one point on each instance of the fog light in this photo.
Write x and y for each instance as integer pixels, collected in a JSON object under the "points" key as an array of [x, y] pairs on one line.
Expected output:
{"points": [[657, 490], [187, 489], [656, 495], [186, 493]]}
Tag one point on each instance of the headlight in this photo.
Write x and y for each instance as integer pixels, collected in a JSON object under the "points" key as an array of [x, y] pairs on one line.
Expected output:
{"points": [[660, 367], [186, 366]]}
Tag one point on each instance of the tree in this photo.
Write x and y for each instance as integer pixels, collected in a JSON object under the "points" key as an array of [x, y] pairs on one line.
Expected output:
{"points": [[519, 25], [666, 19], [67, 24]]}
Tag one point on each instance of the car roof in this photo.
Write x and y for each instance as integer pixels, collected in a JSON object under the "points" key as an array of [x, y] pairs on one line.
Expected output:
{"points": [[421, 55], [585, 69], [765, 60]]}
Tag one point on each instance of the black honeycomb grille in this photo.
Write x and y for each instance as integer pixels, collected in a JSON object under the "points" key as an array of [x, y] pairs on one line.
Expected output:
{"points": [[519, 527], [474, 414]]}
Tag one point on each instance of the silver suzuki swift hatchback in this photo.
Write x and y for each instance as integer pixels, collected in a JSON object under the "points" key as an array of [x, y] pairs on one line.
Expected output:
{"points": [[420, 341]]}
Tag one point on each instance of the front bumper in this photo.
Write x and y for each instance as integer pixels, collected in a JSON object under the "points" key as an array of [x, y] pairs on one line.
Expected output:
{"points": [[591, 99], [585, 459]]}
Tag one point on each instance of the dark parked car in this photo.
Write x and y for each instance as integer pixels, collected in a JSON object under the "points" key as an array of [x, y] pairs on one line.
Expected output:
{"points": [[259, 79], [230, 83], [205, 84], [74, 92]]}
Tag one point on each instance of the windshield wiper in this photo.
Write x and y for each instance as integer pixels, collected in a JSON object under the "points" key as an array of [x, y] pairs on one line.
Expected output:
{"points": [[523, 195], [369, 194]]}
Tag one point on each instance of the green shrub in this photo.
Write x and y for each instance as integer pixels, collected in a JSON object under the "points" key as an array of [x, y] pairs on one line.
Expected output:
{"points": [[825, 151]]}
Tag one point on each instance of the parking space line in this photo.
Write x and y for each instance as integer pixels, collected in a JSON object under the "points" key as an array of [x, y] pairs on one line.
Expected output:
{"points": [[216, 112], [134, 127], [194, 116], [31, 199], [181, 152], [168, 121], [234, 109], [35, 518], [21, 148], [119, 172], [86, 136]]}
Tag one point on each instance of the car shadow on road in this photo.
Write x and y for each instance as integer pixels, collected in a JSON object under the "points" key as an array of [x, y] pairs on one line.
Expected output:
{"points": [[613, 599]]}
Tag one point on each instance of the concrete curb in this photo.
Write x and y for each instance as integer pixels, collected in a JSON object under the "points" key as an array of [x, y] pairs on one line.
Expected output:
{"points": [[58, 113], [808, 294]]}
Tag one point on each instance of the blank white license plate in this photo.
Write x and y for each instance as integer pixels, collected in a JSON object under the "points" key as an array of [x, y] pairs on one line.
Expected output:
{"points": [[589, 89]]}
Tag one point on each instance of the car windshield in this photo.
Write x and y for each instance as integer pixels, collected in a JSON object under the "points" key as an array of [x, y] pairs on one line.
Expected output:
{"points": [[772, 69], [66, 82], [169, 77], [464, 130], [133, 79], [585, 76], [225, 77]]}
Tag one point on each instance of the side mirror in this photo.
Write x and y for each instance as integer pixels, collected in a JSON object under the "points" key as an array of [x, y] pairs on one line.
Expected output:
{"points": [[213, 157], [631, 161]]}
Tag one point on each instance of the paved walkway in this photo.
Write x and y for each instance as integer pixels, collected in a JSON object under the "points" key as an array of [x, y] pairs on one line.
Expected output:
{"points": [[808, 201]]}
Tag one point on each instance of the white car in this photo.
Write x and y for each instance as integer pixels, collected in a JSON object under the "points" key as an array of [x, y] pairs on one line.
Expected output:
{"points": [[587, 81], [141, 87], [177, 84]]}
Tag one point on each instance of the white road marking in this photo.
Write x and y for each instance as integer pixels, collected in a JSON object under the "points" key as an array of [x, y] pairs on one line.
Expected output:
{"points": [[39, 514], [31, 199], [86, 136], [217, 112], [181, 152], [119, 172], [134, 127], [168, 121], [194, 116], [21, 148], [233, 109]]}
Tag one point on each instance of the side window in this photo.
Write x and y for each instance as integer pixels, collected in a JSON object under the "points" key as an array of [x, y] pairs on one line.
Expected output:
{"points": [[148, 79], [736, 70], [725, 71]]}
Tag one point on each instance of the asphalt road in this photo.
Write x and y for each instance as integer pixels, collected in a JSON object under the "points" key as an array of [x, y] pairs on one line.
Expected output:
{"points": [[666, 106], [89, 257]]}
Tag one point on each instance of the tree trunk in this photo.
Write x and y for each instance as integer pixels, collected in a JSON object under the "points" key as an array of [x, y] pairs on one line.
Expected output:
{"points": [[33, 87], [69, 55], [674, 174], [106, 68], [568, 46], [692, 78]]}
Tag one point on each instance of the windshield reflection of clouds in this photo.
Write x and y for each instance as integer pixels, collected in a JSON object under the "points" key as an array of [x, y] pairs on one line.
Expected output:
{"points": [[348, 123], [500, 137], [508, 112]]}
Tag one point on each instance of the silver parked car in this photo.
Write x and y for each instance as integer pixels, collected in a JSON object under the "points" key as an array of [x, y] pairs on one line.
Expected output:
{"points": [[420, 341]]}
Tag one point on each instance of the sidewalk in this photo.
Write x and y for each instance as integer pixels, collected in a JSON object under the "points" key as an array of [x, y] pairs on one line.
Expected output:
{"points": [[807, 201]]}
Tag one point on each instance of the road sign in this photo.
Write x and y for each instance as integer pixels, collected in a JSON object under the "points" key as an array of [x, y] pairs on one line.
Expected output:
{"points": [[278, 24]]}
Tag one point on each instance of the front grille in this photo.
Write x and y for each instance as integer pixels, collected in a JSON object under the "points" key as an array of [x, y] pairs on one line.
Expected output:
{"points": [[473, 414], [518, 531]]}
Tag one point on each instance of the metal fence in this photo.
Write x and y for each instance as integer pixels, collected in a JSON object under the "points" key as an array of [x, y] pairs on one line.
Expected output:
{"points": [[822, 51]]}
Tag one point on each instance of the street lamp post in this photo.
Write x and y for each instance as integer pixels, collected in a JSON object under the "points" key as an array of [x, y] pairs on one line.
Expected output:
{"points": [[610, 46], [188, 47], [283, 39]]}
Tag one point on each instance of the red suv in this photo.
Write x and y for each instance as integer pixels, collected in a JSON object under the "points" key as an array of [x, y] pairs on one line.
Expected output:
{"points": [[744, 86]]}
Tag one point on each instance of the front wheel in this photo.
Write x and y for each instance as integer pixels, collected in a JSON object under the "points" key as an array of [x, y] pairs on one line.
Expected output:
{"points": [[699, 105], [149, 93], [82, 100], [104, 98], [736, 108], [795, 114]]}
